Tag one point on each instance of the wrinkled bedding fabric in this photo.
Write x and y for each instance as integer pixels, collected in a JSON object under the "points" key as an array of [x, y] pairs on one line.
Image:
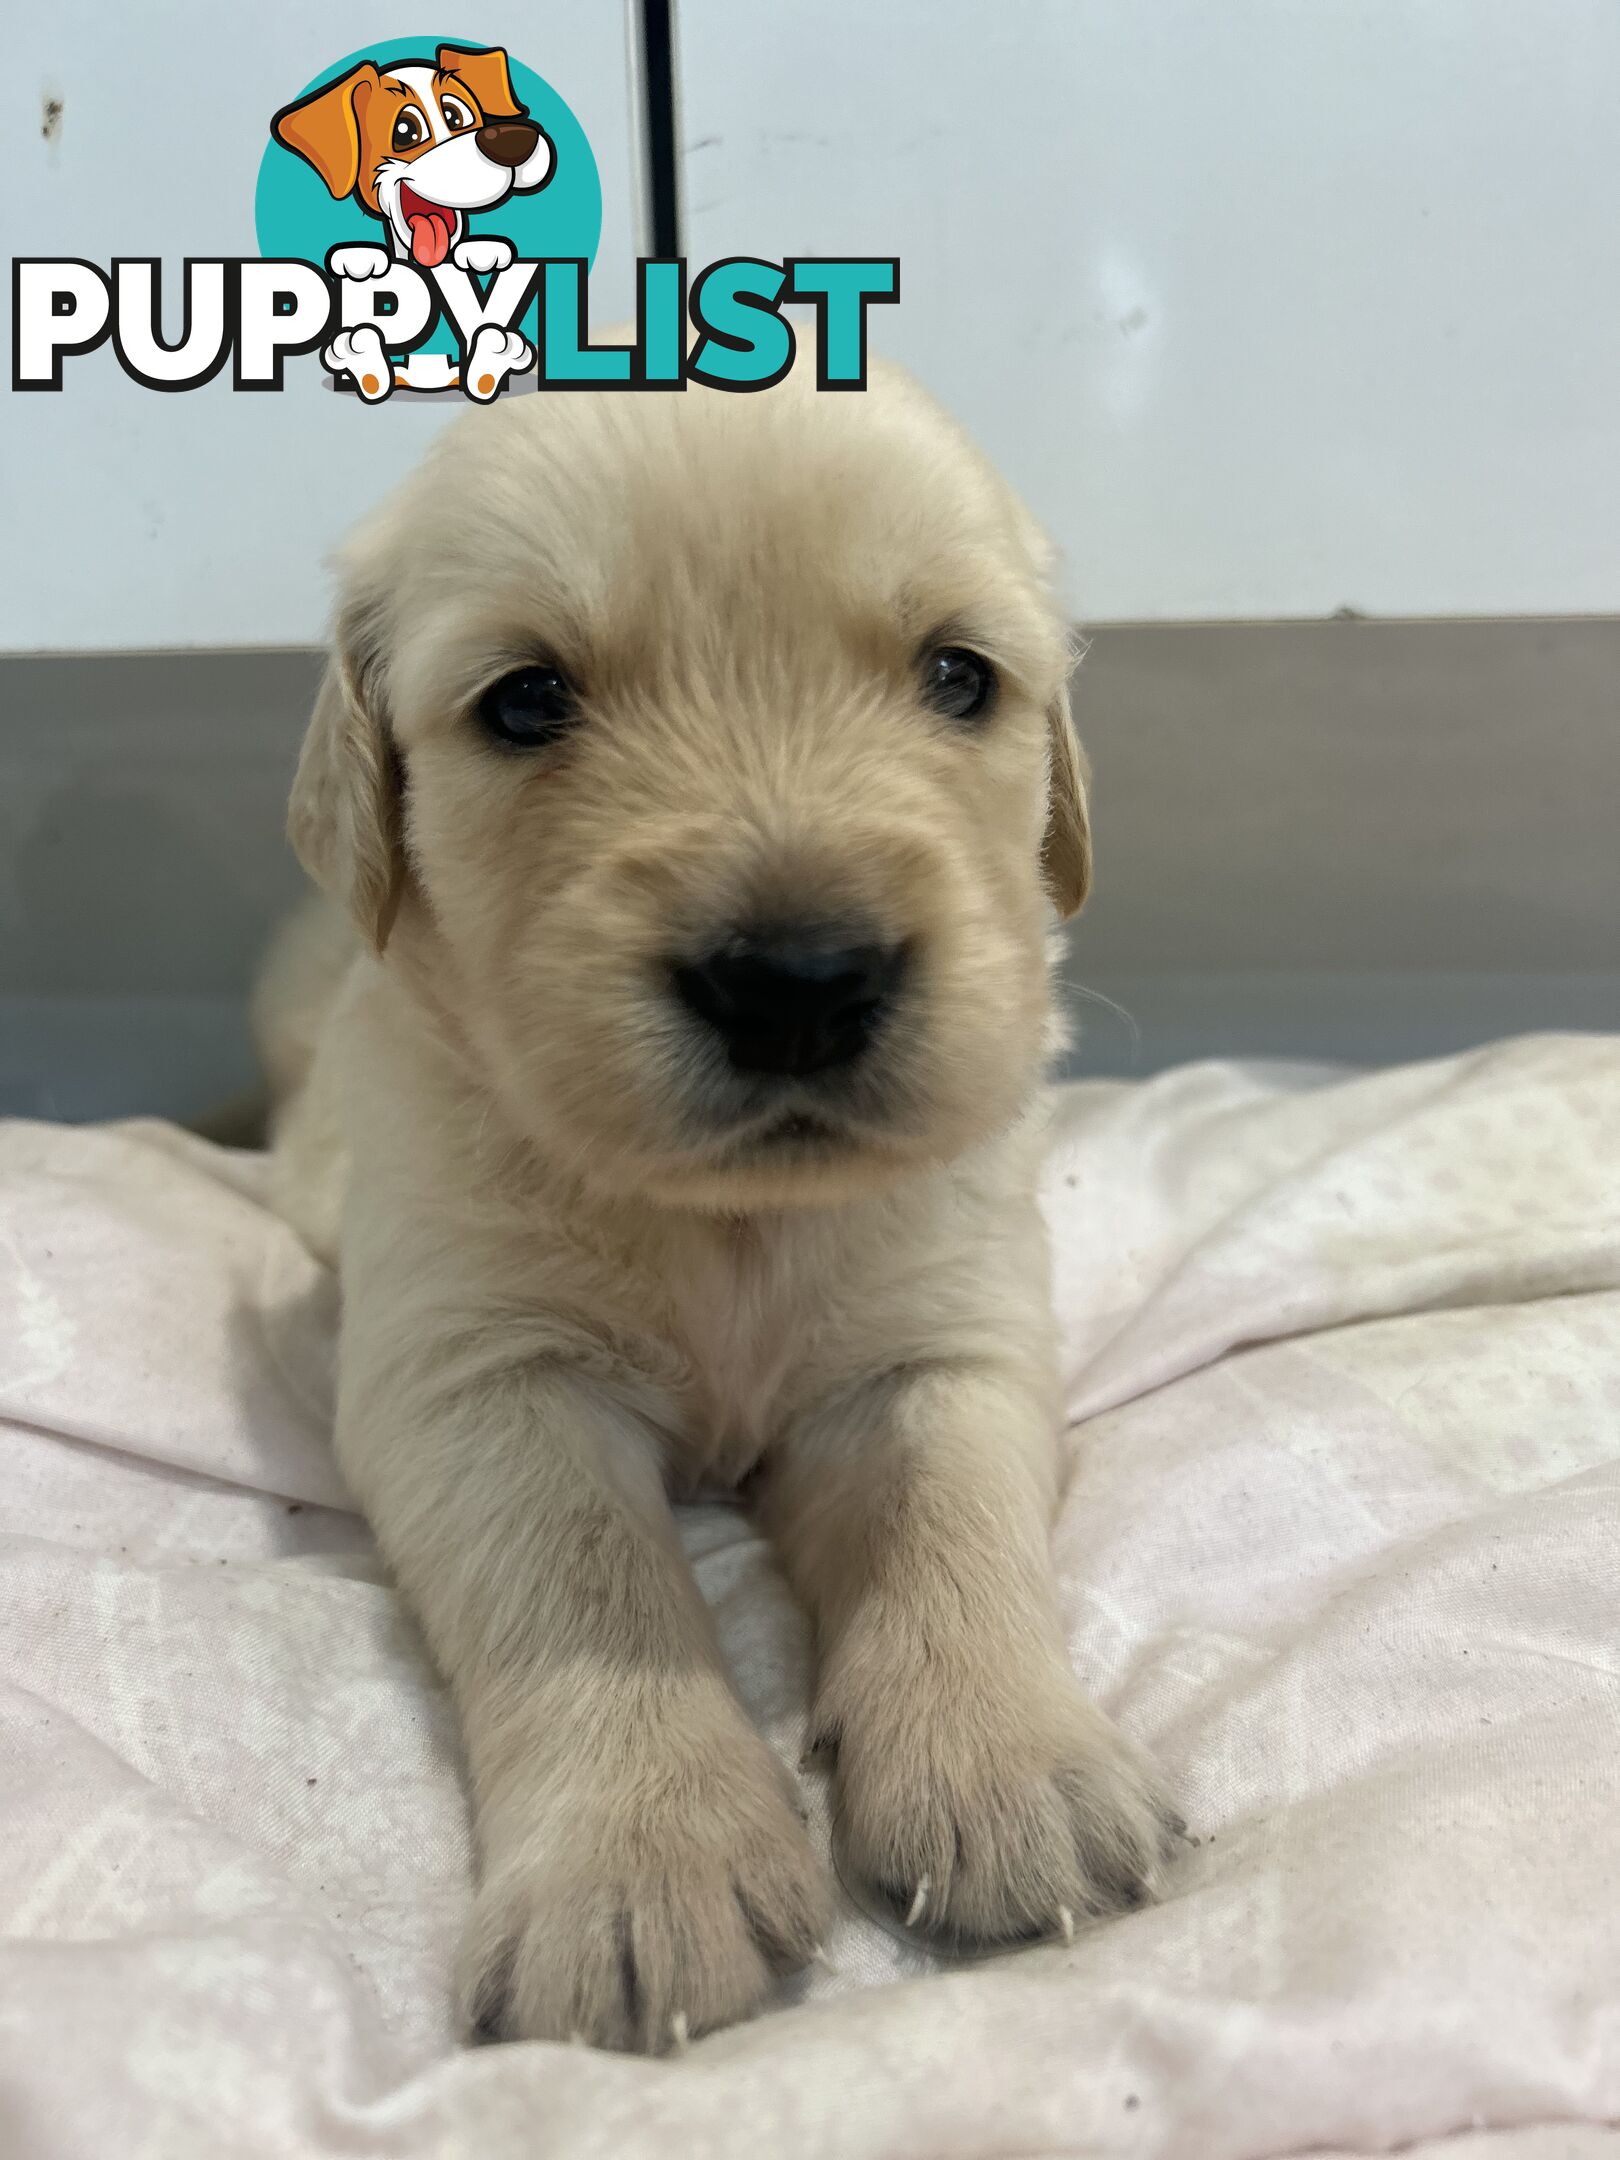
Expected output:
{"points": [[1341, 1543]]}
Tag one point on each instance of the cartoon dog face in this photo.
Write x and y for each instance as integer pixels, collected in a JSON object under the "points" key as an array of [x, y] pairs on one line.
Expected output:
{"points": [[421, 144]]}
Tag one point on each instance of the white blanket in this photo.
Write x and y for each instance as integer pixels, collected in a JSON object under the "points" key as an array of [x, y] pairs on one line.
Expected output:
{"points": [[1341, 1544]]}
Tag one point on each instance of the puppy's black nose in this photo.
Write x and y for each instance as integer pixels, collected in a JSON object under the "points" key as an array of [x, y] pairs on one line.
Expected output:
{"points": [[791, 1002], [507, 142]]}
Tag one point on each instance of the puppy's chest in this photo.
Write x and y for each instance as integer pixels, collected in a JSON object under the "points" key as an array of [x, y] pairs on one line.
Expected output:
{"points": [[747, 1306]]}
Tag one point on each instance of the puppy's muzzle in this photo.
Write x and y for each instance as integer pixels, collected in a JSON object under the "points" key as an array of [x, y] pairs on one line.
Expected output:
{"points": [[507, 142], [792, 1002]]}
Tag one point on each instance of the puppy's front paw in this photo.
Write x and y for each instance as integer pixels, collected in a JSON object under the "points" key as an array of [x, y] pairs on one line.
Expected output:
{"points": [[984, 1808], [640, 1912]]}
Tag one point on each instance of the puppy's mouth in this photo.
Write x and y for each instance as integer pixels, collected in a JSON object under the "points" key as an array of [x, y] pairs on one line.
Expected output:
{"points": [[433, 227], [808, 1138], [797, 1129], [784, 1133]]}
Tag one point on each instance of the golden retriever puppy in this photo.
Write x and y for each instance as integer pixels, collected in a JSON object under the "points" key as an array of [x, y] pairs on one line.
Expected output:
{"points": [[697, 770]]}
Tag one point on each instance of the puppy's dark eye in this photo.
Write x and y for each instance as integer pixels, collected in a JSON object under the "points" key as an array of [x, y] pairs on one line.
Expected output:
{"points": [[408, 130], [529, 708], [958, 683]]}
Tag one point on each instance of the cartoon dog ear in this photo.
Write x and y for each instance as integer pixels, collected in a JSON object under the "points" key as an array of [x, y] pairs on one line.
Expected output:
{"points": [[345, 819], [487, 76], [1067, 849], [324, 128]]}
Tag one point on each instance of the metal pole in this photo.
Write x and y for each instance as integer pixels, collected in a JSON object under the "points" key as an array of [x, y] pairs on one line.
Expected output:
{"points": [[655, 102]]}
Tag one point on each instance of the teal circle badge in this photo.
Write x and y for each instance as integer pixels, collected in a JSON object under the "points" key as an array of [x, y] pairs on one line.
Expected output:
{"points": [[317, 191]]}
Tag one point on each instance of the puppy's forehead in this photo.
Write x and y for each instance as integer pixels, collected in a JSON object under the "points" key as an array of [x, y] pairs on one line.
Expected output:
{"points": [[616, 520]]}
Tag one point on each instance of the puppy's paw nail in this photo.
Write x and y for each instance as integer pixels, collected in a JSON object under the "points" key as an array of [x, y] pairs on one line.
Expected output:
{"points": [[1066, 1923], [819, 1956], [919, 1904], [1176, 1832], [486, 2012], [820, 1748], [678, 2033]]}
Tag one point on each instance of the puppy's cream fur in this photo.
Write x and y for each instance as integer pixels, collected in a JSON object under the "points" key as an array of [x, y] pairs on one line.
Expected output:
{"points": [[579, 1270]]}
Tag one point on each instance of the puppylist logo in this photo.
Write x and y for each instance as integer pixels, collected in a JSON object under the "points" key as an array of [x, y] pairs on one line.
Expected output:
{"points": [[427, 214]]}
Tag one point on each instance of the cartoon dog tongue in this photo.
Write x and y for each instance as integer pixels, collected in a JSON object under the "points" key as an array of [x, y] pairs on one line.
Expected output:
{"points": [[432, 228]]}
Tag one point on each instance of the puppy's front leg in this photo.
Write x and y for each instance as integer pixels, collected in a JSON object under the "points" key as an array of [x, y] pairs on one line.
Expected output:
{"points": [[978, 1791], [644, 1872]]}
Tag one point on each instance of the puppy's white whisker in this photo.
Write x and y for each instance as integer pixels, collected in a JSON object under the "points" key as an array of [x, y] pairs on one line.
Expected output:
{"points": [[919, 1904], [1096, 997]]}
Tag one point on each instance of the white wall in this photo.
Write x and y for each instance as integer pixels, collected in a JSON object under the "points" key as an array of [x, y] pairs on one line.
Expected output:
{"points": [[1271, 307], [139, 520]]}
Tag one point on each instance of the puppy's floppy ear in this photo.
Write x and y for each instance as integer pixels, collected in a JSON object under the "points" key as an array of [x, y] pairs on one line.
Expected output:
{"points": [[1067, 848], [345, 818], [487, 76], [324, 128]]}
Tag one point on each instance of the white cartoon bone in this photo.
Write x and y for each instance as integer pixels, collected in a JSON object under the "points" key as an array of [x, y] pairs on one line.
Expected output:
{"points": [[359, 354], [357, 261], [482, 254], [493, 355]]}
